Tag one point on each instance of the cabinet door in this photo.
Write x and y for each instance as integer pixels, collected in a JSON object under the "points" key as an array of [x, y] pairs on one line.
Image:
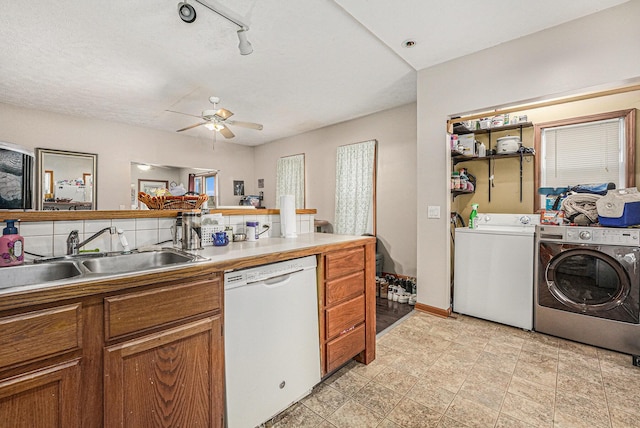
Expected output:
{"points": [[167, 379], [46, 398]]}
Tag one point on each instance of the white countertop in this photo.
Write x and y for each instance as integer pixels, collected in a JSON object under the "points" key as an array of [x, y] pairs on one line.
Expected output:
{"points": [[263, 246], [233, 251]]}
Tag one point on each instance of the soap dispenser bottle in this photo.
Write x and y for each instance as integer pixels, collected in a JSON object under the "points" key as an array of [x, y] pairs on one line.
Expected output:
{"points": [[11, 245]]}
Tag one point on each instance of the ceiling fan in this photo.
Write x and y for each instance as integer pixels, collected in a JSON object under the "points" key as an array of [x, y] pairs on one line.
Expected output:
{"points": [[217, 120]]}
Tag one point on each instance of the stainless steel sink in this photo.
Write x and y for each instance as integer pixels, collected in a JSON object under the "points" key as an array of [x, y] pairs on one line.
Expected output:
{"points": [[29, 274], [114, 263]]}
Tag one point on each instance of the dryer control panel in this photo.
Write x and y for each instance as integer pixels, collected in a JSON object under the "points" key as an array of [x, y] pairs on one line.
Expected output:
{"points": [[601, 235]]}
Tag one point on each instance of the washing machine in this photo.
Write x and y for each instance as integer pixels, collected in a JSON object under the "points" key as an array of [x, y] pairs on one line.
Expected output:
{"points": [[494, 269], [588, 286]]}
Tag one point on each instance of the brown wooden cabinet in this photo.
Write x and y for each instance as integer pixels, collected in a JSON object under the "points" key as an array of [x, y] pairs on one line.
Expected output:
{"points": [[173, 374], [347, 306], [167, 379], [40, 367], [152, 357], [48, 397]]}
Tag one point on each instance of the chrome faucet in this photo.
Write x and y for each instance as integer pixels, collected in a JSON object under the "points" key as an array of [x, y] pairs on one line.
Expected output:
{"points": [[74, 244]]}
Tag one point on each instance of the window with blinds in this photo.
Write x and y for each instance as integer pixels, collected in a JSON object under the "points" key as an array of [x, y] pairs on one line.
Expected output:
{"points": [[584, 153]]}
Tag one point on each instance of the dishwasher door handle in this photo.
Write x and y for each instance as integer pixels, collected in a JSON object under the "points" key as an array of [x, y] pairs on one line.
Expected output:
{"points": [[275, 280]]}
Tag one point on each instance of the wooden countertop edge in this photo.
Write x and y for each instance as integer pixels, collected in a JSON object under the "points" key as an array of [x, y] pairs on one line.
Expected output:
{"points": [[98, 286], [28, 216]]}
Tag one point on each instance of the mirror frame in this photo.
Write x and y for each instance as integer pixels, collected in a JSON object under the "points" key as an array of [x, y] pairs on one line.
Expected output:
{"points": [[40, 170]]}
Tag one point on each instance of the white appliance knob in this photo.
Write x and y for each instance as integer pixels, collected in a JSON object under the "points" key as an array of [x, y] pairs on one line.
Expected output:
{"points": [[585, 235], [525, 219]]}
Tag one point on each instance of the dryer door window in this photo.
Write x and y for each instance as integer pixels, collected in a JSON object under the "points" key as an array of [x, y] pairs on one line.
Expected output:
{"points": [[594, 283]]}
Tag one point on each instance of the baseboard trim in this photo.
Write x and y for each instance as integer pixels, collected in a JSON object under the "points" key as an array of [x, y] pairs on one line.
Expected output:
{"points": [[444, 313]]}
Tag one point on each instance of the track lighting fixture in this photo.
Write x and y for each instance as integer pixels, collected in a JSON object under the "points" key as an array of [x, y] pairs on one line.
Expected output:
{"points": [[244, 46], [188, 14]]}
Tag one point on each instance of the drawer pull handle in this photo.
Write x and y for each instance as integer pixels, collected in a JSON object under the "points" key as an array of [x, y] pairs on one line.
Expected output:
{"points": [[347, 330]]}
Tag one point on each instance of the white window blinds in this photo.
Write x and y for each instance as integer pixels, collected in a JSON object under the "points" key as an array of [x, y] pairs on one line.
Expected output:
{"points": [[584, 153]]}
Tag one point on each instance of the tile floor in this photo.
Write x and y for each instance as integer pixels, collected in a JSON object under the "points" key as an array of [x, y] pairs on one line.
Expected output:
{"points": [[465, 372]]}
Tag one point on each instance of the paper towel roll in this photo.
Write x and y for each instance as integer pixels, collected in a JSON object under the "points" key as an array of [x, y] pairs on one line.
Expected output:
{"points": [[288, 216]]}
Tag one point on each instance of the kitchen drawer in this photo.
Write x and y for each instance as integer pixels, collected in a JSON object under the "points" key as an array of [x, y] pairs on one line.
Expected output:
{"points": [[345, 347], [344, 288], [343, 262], [40, 334], [342, 317], [134, 312]]}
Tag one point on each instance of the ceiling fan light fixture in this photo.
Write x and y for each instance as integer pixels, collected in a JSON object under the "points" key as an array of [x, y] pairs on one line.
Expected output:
{"points": [[218, 127], [210, 126], [244, 45]]}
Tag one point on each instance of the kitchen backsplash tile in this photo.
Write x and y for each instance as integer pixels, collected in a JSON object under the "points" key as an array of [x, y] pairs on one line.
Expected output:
{"points": [[126, 224], [49, 238], [147, 224], [146, 237], [65, 227], [39, 245], [93, 226], [38, 228]]}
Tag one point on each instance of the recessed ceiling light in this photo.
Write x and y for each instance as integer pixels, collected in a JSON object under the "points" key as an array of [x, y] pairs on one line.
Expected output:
{"points": [[409, 43]]}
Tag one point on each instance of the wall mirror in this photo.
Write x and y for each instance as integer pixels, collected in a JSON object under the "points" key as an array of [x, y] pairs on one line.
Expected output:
{"points": [[66, 180], [146, 177]]}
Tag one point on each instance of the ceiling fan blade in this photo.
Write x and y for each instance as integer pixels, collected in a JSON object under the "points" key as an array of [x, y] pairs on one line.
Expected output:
{"points": [[186, 114], [226, 132], [223, 114], [192, 126], [250, 125]]}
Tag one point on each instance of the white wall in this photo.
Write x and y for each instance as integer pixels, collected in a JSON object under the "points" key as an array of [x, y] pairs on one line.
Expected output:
{"points": [[395, 131], [118, 144], [594, 51]]}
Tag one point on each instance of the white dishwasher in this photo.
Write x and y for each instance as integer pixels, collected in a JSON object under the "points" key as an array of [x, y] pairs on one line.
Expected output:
{"points": [[271, 337]]}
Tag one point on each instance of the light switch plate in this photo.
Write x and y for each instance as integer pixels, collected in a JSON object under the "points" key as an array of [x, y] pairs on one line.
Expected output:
{"points": [[433, 211]]}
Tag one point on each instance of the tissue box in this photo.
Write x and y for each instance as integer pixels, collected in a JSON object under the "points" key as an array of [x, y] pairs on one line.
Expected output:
{"points": [[551, 217], [630, 216]]}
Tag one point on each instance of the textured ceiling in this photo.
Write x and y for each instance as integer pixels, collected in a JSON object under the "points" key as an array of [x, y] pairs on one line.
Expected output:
{"points": [[315, 62]]}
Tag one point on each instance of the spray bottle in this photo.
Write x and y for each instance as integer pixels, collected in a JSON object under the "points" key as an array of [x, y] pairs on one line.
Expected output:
{"points": [[473, 216]]}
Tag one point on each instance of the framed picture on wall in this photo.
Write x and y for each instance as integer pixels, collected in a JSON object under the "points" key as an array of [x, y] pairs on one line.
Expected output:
{"points": [[238, 188], [150, 186]]}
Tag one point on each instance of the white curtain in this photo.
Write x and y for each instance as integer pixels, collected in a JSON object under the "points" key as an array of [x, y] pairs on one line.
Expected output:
{"points": [[290, 179], [355, 166]]}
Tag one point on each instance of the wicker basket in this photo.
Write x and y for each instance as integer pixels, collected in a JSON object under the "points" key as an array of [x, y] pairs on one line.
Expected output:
{"points": [[172, 202]]}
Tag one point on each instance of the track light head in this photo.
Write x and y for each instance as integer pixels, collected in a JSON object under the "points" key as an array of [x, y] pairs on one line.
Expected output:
{"points": [[187, 12], [244, 46]]}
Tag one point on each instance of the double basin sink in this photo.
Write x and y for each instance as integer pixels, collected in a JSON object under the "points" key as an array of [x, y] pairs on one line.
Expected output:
{"points": [[92, 265]]}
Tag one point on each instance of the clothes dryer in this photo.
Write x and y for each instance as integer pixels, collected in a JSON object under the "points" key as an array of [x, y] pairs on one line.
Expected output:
{"points": [[588, 285]]}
